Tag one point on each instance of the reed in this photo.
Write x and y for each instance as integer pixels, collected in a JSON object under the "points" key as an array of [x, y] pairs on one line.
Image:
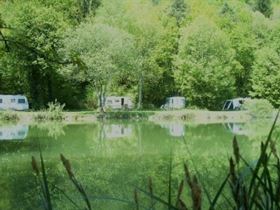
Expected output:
{"points": [[151, 191], [136, 200], [42, 180], [75, 182]]}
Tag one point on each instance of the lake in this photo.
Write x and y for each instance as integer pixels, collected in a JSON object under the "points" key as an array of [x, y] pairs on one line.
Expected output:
{"points": [[113, 158]]}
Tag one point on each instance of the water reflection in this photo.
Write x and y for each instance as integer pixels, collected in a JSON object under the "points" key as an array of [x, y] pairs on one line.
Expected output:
{"points": [[113, 131], [175, 129], [54, 129], [13, 132], [134, 151], [237, 128]]}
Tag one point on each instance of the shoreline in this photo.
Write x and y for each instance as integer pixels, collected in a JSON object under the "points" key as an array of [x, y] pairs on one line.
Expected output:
{"points": [[201, 116], [186, 115]]}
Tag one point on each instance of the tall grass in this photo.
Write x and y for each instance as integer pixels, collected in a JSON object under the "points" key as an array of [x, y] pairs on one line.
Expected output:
{"points": [[44, 185], [8, 116], [125, 115], [247, 186], [42, 180], [76, 183]]}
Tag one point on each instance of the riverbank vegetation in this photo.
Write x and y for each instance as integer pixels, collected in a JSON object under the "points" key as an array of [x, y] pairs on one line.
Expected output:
{"points": [[253, 109], [79, 51], [9, 116], [184, 116], [54, 112]]}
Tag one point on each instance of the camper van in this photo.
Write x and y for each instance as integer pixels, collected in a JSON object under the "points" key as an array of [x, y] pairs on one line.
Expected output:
{"points": [[13, 102], [174, 103], [118, 102], [234, 104]]}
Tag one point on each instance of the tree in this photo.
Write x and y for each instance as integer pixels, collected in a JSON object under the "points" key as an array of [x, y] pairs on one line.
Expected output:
{"points": [[34, 36], [266, 75], [171, 51], [265, 7], [163, 56], [178, 11], [236, 21], [100, 53], [147, 27], [88, 6], [74, 10], [3, 39], [205, 65]]}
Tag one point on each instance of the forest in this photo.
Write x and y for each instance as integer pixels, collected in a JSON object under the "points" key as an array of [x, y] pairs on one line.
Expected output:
{"points": [[79, 51]]}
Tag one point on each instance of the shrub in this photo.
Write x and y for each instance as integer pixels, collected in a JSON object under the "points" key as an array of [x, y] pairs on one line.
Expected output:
{"points": [[53, 113], [9, 116], [258, 108], [126, 115]]}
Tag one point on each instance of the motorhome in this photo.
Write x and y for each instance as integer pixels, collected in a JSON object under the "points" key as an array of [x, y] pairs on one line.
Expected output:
{"points": [[13, 102], [118, 102], [175, 102], [234, 104]]}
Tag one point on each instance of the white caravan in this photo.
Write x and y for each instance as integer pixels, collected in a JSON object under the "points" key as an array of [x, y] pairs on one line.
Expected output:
{"points": [[175, 102], [234, 104], [13, 102], [118, 102]]}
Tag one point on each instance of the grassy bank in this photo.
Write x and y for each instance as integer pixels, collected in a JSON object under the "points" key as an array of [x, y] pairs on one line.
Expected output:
{"points": [[195, 116], [127, 115], [200, 116]]}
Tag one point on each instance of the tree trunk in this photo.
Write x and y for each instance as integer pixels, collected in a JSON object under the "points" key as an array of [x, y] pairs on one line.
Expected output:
{"points": [[49, 87], [101, 96], [140, 91]]}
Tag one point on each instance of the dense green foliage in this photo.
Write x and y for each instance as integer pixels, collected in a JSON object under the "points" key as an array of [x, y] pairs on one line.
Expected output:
{"points": [[79, 51], [264, 6], [205, 64], [258, 108]]}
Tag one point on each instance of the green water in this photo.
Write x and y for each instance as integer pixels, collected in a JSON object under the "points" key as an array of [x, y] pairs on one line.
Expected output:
{"points": [[112, 158]]}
